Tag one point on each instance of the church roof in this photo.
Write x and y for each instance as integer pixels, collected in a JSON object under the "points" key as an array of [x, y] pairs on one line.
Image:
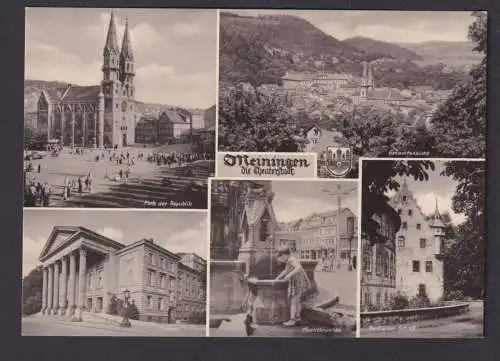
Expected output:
{"points": [[82, 93]]}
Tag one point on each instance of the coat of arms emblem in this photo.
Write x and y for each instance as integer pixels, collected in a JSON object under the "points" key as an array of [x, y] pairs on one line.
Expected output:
{"points": [[338, 161]]}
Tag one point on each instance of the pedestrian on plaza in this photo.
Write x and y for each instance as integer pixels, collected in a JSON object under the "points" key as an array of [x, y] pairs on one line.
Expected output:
{"points": [[65, 190], [46, 198], [39, 168], [298, 283], [80, 186]]}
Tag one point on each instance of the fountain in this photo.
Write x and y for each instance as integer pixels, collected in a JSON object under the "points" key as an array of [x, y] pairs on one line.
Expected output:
{"points": [[248, 282]]}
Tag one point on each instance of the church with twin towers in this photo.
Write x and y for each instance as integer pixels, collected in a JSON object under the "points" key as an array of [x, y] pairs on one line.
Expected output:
{"points": [[97, 115]]}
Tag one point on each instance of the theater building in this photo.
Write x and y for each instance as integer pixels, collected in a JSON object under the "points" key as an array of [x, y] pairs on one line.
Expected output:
{"points": [[83, 270], [96, 115], [419, 241]]}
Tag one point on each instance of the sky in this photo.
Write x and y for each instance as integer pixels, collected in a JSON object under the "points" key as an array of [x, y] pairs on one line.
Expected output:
{"points": [[425, 192], [177, 231], [389, 26], [174, 49], [299, 199]]}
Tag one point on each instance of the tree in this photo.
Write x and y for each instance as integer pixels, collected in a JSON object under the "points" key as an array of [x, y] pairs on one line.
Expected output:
{"points": [[32, 292], [459, 124], [465, 258], [416, 139], [370, 131], [33, 136], [378, 179], [254, 120]]}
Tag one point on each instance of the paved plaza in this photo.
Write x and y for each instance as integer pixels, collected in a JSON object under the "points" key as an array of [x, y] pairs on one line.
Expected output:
{"points": [[148, 186], [98, 326]]}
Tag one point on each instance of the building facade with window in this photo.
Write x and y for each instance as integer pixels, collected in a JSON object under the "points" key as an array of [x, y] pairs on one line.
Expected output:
{"points": [[378, 274], [172, 124], [321, 237], [190, 292], [419, 241], [83, 271], [146, 130]]}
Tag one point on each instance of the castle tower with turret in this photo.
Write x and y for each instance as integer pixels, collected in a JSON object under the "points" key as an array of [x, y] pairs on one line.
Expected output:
{"points": [[418, 242]]}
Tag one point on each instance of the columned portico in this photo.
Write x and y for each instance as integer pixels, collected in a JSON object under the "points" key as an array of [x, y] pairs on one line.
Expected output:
{"points": [[77, 276]]}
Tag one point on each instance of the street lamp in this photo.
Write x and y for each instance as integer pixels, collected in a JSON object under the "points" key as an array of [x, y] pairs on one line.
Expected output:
{"points": [[125, 321]]}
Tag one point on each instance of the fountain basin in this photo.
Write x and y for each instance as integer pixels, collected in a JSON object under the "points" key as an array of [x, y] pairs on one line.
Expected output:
{"points": [[270, 301], [227, 287]]}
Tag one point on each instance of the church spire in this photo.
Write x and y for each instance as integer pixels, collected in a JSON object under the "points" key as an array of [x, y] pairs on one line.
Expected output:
{"points": [[126, 44], [111, 38]]}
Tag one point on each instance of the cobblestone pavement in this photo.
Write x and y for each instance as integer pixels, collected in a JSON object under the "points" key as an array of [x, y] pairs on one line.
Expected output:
{"points": [[145, 187]]}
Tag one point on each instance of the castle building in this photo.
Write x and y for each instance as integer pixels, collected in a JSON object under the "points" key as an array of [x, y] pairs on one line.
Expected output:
{"points": [[419, 240], [83, 271], [98, 115]]}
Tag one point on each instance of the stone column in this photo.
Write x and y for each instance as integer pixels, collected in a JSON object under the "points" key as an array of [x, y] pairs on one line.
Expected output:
{"points": [[84, 125], [81, 283], [56, 287], [72, 128], [50, 289], [94, 138], [72, 284], [105, 287], [44, 289], [63, 294]]}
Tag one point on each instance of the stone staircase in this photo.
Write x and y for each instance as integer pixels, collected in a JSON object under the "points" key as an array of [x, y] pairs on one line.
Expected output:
{"points": [[157, 190]]}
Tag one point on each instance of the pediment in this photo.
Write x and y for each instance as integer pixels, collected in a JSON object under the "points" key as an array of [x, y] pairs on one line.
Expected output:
{"points": [[58, 237]]}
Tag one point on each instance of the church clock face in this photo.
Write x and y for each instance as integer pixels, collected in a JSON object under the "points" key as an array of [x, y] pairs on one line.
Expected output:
{"points": [[124, 106]]}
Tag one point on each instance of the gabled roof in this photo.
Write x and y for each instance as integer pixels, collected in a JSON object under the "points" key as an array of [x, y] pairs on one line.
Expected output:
{"points": [[173, 116], [63, 235], [254, 211]]}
